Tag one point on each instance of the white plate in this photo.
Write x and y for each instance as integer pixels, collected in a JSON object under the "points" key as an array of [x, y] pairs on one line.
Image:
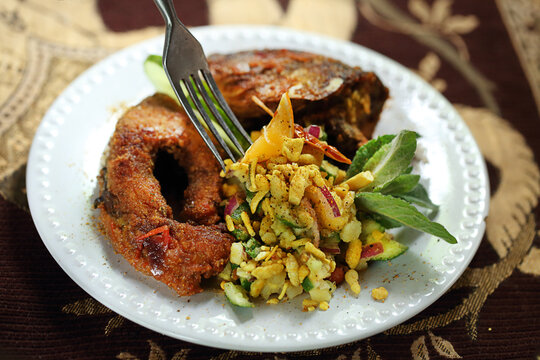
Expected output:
{"points": [[65, 160]]}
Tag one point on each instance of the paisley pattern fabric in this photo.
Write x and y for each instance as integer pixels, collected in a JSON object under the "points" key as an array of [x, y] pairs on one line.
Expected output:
{"points": [[484, 56]]}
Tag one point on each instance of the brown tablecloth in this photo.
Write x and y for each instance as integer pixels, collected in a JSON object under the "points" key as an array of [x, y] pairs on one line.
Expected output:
{"points": [[484, 56]]}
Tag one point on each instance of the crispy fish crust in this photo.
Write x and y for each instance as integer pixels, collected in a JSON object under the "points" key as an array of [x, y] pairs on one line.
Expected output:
{"points": [[324, 91], [132, 205]]}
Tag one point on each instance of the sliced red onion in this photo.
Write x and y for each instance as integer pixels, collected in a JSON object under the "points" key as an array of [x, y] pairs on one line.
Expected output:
{"points": [[331, 250], [314, 130], [331, 200], [371, 250], [231, 205]]}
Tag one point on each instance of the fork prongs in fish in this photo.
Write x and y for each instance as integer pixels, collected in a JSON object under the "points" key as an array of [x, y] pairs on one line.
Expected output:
{"points": [[187, 91], [186, 67]]}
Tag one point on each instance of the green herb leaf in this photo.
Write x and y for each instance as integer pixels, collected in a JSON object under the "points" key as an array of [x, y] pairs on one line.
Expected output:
{"points": [[419, 196], [365, 152], [402, 212], [386, 222], [395, 161], [400, 185]]}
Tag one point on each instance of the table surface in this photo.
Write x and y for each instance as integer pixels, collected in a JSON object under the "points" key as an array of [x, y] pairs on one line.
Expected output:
{"points": [[484, 56]]}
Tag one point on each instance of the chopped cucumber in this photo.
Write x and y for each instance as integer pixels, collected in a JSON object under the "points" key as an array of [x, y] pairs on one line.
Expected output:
{"points": [[289, 222], [234, 266], [391, 248], [237, 295], [249, 197], [314, 265], [369, 226], [330, 169], [307, 285], [237, 213], [252, 247], [226, 273], [240, 234], [245, 283], [320, 294]]}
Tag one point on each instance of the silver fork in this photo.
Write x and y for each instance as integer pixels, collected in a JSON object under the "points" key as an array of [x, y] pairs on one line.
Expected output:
{"points": [[186, 67]]}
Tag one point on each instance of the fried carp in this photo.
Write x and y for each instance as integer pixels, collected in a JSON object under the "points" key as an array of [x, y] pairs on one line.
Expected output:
{"points": [[135, 214], [324, 91]]}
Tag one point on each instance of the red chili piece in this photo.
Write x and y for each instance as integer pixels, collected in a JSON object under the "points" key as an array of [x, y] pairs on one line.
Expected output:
{"points": [[164, 231], [328, 150]]}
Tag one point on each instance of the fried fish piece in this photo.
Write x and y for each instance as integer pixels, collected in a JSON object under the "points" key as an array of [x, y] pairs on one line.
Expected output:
{"points": [[136, 216], [324, 91]]}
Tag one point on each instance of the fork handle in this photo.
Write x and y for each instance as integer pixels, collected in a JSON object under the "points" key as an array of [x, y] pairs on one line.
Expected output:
{"points": [[166, 8]]}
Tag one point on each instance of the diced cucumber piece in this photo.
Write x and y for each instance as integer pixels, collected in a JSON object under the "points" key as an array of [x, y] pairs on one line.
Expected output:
{"points": [[240, 234], [245, 283], [226, 273], [314, 265], [391, 248], [330, 169], [289, 222], [237, 295], [249, 197], [307, 285], [252, 247], [320, 294], [369, 226], [234, 266], [237, 213]]}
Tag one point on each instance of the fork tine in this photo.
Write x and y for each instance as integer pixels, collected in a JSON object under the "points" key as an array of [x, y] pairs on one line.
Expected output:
{"points": [[206, 118], [221, 100], [200, 128], [217, 115]]}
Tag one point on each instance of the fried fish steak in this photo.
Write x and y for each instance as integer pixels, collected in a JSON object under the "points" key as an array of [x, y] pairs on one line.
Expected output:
{"points": [[135, 214], [324, 91]]}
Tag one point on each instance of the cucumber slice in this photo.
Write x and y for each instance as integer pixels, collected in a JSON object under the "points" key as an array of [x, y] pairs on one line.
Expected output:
{"points": [[307, 285], [153, 68], [237, 295], [391, 248]]}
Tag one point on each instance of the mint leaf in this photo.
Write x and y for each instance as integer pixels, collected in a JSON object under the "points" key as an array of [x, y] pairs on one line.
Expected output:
{"points": [[419, 196], [385, 222], [365, 152], [400, 185], [402, 212], [377, 157], [395, 161]]}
